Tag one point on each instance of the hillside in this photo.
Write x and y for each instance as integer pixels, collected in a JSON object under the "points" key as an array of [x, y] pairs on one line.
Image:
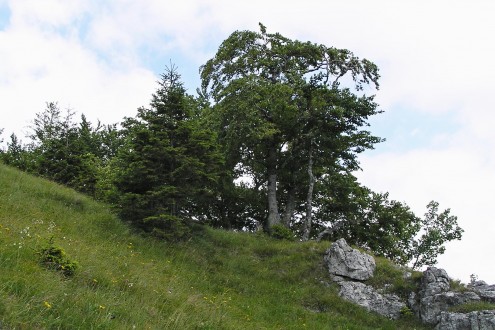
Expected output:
{"points": [[216, 280]]}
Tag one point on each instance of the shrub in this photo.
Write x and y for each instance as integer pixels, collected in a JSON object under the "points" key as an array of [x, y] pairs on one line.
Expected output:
{"points": [[54, 257], [282, 232]]}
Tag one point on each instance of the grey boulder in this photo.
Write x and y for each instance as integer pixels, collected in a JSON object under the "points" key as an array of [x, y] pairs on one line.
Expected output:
{"points": [[388, 305], [342, 260], [480, 320]]}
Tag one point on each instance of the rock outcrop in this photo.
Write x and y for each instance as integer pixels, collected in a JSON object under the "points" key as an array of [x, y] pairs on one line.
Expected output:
{"points": [[342, 260], [435, 295], [431, 302], [348, 265], [485, 291], [480, 320], [388, 305]]}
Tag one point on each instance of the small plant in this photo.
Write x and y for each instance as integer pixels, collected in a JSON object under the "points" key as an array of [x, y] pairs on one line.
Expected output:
{"points": [[406, 312], [54, 257], [282, 232]]}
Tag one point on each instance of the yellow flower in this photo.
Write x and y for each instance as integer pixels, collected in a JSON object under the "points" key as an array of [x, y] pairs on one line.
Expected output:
{"points": [[101, 307], [47, 304]]}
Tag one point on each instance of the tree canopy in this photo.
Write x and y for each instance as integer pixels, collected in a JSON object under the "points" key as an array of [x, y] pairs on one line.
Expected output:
{"points": [[271, 140], [279, 107]]}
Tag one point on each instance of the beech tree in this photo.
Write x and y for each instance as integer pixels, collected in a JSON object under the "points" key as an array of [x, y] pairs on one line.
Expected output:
{"points": [[279, 107]]}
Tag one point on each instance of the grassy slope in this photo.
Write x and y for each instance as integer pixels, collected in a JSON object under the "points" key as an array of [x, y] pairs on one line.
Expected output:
{"points": [[217, 280]]}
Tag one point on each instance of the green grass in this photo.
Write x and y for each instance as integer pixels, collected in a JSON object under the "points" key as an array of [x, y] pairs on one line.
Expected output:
{"points": [[391, 277], [216, 280], [472, 307]]}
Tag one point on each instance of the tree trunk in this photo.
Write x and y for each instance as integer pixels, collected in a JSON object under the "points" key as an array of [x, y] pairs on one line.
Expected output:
{"points": [[309, 198], [289, 207], [273, 216]]}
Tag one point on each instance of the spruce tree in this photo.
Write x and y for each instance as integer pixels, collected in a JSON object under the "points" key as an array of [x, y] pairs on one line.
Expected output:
{"points": [[169, 163]]}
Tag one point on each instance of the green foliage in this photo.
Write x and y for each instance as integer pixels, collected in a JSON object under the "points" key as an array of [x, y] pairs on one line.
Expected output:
{"points": [[168, 227], [54, 257], [279, 108], [406, 312], [291, 117], [437, 229], [387, 227], [366, 219], [168, 168], [16, 155], [282, 232]]}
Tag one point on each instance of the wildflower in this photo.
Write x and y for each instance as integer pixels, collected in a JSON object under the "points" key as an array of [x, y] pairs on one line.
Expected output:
{"points": [[47, 304], [101, 307]]}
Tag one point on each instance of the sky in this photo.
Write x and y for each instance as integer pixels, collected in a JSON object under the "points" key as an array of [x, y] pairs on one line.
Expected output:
{"points": [[103, 59]]}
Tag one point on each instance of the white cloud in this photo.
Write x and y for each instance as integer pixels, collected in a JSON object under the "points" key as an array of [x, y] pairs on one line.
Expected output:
{"points": [[49, 13], [39, 66]]}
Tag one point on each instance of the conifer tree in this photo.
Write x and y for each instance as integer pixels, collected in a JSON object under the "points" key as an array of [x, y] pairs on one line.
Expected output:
{"points": [[169, 163]]}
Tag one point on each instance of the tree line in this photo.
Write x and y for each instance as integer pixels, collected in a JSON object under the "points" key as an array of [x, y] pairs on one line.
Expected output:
{"points": [[269, 142]]}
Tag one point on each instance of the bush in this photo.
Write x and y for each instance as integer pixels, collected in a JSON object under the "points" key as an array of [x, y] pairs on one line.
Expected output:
{"points": [[54, 257], [168, 227], [282, 232]]}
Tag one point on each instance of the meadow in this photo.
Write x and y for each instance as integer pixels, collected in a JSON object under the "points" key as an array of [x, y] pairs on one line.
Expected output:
{"points": [[126, 280]]}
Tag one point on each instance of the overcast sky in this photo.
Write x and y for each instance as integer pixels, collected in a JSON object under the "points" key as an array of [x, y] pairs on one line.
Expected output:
{"points": [[436, 59]]}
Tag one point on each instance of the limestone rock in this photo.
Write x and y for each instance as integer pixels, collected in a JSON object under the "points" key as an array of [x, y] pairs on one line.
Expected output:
{"points": [[480, 320], [435, 297], [413, 303], [384, 304], [485, 291], [432, 306], [435, 280], [342, 260]]}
